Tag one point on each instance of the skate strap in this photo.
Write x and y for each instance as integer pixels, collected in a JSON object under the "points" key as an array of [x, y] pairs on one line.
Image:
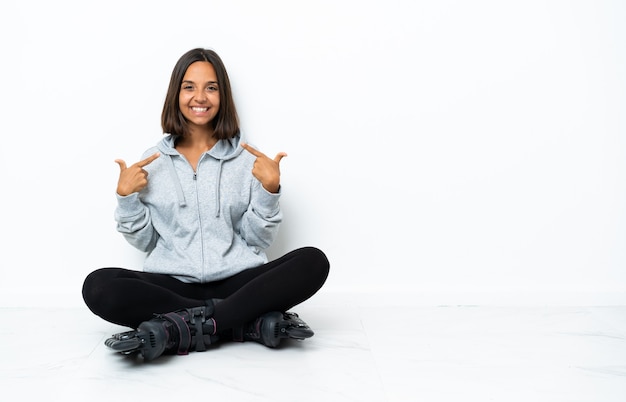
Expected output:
{"points": [[183, 330], [197, 318]]}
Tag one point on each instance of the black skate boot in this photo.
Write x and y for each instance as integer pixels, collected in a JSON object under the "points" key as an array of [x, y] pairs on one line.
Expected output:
{"points": [[270, 328], [176, 332]]}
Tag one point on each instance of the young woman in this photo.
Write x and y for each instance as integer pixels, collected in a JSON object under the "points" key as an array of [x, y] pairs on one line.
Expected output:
{"points": [[203, 205]]}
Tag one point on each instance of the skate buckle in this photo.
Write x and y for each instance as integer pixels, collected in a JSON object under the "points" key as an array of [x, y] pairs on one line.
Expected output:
{"points": [[197, 312]]}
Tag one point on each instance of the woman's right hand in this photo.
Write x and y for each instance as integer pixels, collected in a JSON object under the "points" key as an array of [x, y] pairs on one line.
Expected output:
{"points": [[134, 178]]}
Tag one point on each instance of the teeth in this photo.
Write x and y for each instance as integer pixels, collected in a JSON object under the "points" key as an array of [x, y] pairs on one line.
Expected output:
{"points": [[199, 109]]}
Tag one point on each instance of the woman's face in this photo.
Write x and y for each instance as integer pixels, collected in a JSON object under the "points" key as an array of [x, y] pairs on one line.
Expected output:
{"points": [[199, 98]]}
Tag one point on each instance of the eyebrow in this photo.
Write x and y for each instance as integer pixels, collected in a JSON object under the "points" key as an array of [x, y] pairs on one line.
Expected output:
{"points": [[191, 82]]}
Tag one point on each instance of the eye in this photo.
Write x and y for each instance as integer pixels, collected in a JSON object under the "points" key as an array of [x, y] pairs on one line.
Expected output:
{"points": [[212, 88], [187, 87]]}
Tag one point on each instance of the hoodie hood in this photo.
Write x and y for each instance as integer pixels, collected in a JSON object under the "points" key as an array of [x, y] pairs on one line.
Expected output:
{"points": [[222, 151]]}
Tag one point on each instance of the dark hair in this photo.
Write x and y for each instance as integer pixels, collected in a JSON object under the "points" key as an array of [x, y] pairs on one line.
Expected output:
{"points": [[225, 123]]}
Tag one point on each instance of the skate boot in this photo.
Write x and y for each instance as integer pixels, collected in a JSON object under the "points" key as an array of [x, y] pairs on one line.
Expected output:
{"points": [[176, 332], [270, 328]]}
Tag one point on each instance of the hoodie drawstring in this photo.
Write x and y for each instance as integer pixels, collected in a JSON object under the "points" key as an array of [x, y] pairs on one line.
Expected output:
{"points": [[218, 180], [179, 188]]}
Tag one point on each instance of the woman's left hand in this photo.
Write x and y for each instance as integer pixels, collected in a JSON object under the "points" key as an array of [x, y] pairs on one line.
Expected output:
{"points": [[265, 169]]}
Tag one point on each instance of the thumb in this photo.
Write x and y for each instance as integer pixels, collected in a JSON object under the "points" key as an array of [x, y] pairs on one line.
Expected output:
{"points": [[279, 156], [121, 163]]}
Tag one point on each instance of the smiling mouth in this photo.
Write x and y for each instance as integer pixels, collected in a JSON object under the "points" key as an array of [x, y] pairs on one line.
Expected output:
{"points": [[200, 109]]}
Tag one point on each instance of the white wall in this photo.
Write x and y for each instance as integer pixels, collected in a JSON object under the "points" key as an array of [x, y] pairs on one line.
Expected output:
{"points": [[464, 151]]}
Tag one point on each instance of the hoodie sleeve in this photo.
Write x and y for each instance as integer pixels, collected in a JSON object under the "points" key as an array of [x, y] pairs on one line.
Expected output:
{"points": [[133, 222], [263, 217]]}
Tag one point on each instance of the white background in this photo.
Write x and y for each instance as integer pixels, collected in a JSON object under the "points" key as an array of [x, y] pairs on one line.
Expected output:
{"points": [[458, 151]]}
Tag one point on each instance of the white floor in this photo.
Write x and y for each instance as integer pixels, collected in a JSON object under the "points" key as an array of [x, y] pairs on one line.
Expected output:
{"points": [[359, 353]]}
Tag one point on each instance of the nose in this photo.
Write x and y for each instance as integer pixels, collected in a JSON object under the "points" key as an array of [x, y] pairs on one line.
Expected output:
{"points": [[200, 96]]}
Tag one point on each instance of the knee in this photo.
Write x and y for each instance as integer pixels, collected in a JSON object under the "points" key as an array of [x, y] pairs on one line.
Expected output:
{"points": [[90, 288], [317, 261], [94, 285]]}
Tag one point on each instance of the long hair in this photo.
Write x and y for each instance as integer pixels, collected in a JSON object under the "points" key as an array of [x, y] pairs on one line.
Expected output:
{"points": [[226, 122]]}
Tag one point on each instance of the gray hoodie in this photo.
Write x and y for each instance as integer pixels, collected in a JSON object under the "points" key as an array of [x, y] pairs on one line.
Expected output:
{"points": [[200, 226]]}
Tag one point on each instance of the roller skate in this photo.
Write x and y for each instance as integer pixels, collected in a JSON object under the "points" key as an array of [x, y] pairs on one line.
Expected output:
{"points": [[271, 328], [176, 332]]}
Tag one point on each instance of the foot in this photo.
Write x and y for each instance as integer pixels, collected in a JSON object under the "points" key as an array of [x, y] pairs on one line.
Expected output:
{"points": [[270, 328], [149, 340], [175, 332]]}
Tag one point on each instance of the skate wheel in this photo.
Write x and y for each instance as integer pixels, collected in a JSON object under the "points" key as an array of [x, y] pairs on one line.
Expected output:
{"points": [[123, 345], [299, 333]]}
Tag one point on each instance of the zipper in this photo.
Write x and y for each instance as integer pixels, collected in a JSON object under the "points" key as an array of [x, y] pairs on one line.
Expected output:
{"points": [[202, 251]]}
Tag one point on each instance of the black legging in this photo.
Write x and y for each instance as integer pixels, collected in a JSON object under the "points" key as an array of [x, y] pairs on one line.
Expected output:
{"points": [[128, 297]]}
